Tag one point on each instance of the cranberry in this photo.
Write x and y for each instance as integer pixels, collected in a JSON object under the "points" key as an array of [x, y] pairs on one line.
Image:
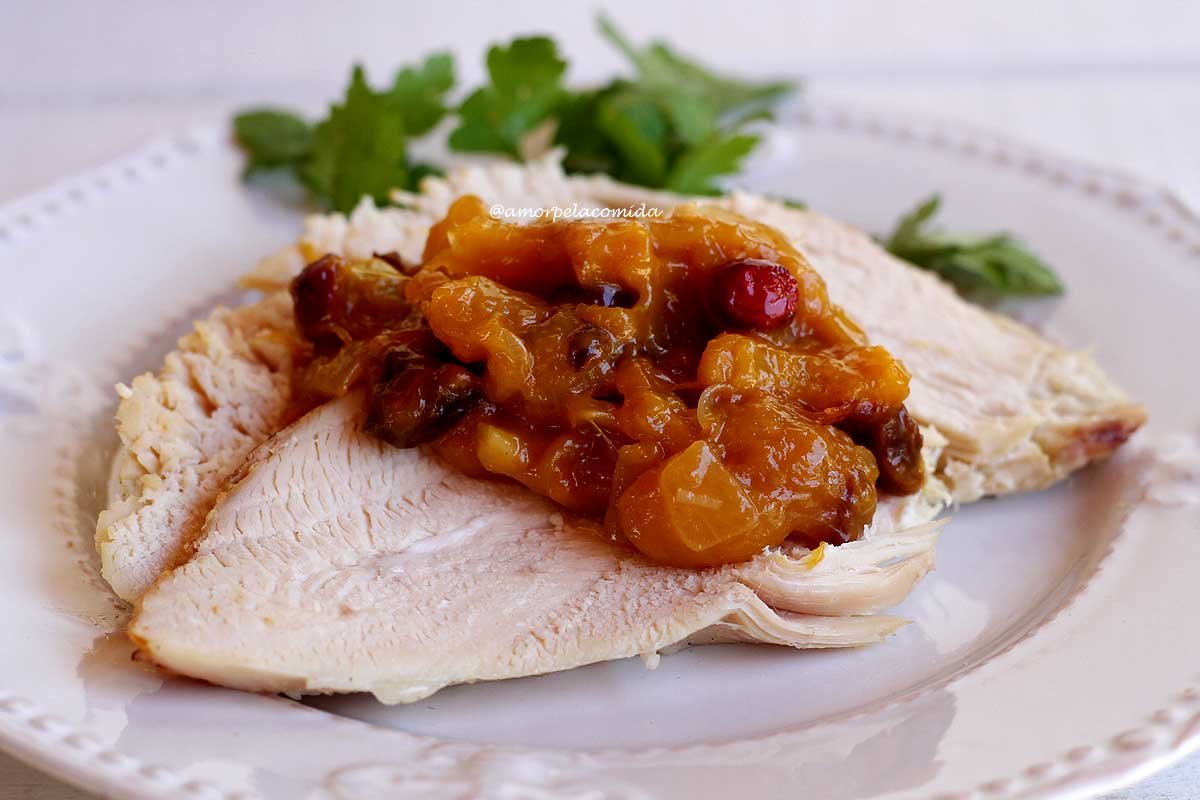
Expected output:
{"points": [[753, 294]]}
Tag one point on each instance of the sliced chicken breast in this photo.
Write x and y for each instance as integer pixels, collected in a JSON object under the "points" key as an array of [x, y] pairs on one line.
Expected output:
{"points": [[338, 563], [1003, 409], [183, 431]]}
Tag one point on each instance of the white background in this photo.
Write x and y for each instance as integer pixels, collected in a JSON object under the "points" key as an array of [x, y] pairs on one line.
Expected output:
{"points": [[1107, 81]]}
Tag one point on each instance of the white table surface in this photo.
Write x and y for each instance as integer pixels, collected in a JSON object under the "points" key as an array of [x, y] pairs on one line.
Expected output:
{"points": [[1110, 81]]}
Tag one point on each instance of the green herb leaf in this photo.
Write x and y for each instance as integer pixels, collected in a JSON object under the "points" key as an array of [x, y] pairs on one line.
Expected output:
{"points": [[525, 89], [272, 138], [698, 166], [693, 117], [908, 229], [675, 125], [421, 92], [998, 263], [661, 69], [420, 171], [637, 130], [588, 148], [359, 149]]}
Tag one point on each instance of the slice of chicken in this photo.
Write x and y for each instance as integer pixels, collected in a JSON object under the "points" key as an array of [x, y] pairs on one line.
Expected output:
{"points": [[183, 431], [338, 563], [1014, 411]]}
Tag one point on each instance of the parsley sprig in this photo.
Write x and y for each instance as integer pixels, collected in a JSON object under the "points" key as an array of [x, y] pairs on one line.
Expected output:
{"points": [[524, 89], [670, 124], [675, 125], [361, 147], [997, 263]]}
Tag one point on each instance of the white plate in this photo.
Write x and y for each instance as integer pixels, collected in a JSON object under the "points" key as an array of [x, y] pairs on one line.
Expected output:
{"points": [[1055, 651]]}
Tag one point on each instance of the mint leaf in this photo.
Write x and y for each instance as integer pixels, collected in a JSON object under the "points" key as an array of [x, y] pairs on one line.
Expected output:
{"points": [[998, 263], [359, 149], [525, 89], [272, 138]]}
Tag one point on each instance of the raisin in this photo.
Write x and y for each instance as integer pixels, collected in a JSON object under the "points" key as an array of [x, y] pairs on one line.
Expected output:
{"points": [[895, 440], [402, 350], [315, 299], [421, 402], [393, 259], [590, 345]]}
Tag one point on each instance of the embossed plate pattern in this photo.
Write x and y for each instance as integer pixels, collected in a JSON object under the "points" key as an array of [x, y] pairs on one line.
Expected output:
{"points": [[1053, 654]]}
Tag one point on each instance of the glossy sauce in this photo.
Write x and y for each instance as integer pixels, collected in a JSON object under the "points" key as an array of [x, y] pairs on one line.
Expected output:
{"points": [[686, 379]]}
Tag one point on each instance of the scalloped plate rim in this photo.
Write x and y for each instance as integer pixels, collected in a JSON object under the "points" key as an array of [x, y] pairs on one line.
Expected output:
{"points": [[29, 736]]}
